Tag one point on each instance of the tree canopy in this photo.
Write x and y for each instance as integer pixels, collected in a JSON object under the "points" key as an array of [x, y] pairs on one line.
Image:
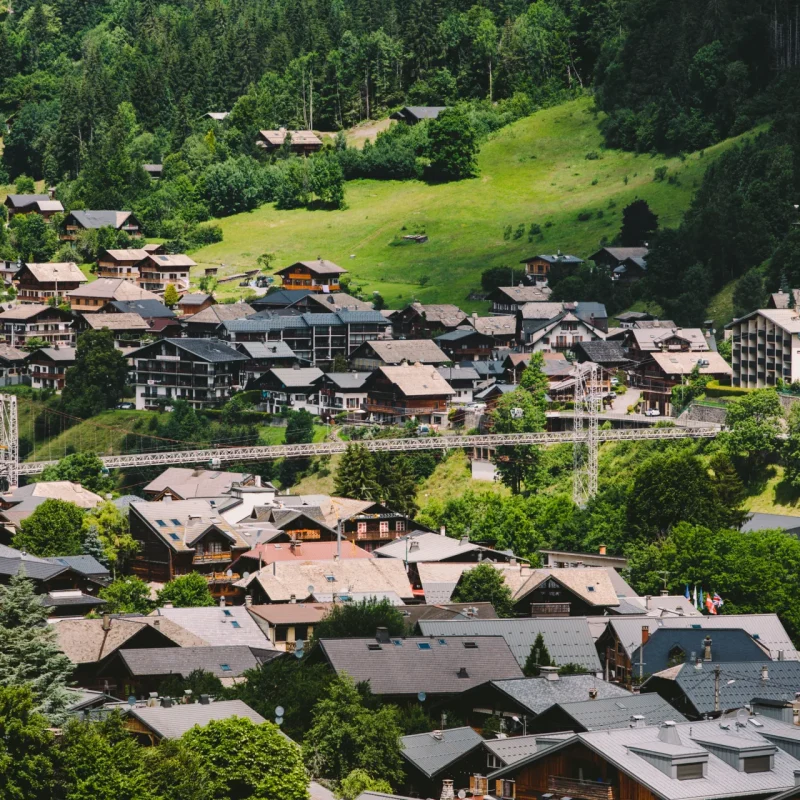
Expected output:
{"points": [[484, 584], [55, 528], [360, 619], [186, 591]]}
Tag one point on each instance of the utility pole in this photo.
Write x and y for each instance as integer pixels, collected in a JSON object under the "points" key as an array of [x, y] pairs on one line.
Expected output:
{"points": [[716, 687]]}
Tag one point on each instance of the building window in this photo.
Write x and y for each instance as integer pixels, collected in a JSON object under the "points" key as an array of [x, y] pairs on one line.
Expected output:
{"points": [[361, 527], [383, 528], [756, 764], [400, 525], [690, 772]]}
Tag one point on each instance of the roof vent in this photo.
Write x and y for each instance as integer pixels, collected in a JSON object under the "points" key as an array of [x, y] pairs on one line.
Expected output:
{"points": [[764, 673], [382, 635], [205, 700], [166, 702], [549, 673], [462, 673], [414, 545], [437, 735], [669, 733], [637, 721]]}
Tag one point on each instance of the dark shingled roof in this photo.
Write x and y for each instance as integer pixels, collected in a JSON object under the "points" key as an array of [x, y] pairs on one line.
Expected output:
{"points": [[229, 661], [603, 352], [413, 665], [213, 350], [432, 752], [148, 309]]}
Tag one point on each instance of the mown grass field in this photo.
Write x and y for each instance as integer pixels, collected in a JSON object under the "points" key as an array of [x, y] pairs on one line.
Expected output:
{"points": [[534, 171]]}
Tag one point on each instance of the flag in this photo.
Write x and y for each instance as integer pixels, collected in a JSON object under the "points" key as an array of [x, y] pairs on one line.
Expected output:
{"points": [[702, 601], [686, 594], [695, 598], [718, 601], [710, 604]]}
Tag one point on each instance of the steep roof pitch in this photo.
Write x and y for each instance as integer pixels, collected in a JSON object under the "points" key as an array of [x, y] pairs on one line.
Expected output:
{"points": [[538, 694], [296, 378], [593, 585], [101, 219], [568, 639], [616, 712], [432, 752], [172, 723], [84, 641], [421, 664], [223, 661], [417, 380]]}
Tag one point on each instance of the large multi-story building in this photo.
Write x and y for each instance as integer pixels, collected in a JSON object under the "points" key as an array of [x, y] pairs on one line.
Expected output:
{"points": [[36, 321], [766, 347], [200, 371], [316, 338]]}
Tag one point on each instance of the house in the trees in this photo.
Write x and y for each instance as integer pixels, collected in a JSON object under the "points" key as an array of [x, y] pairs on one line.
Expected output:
{"points": [[671, 761], [194, 303], [466, 344], [155, 171], [412, 115], [537, 268], [208, 321], [509, 299], [216, 116], [418, 321], [315, 338], [613, 257], [341, 392], [38, 283], [302, 143], [409, 392], [201, 371], [318, 276], [42, 204], [77, 221], [184, 536], [22, 323], [97, 294], [48, 367], [122, 263], [374, 354], [781, 299], [631, 270], [158, 271]]}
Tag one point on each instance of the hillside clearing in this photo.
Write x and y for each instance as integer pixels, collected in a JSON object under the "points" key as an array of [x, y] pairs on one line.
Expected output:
{"points": [[534, 171]]}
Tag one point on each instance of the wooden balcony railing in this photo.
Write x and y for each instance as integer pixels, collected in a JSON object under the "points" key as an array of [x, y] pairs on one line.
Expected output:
{"points": [[549, 609], [210, 558], [585, 790]]}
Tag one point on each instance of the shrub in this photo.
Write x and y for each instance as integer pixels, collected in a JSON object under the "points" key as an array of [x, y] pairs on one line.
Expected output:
{"points": [[659, 173], [584, 216]]}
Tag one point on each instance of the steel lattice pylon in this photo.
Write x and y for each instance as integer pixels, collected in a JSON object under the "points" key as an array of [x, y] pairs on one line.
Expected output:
{"points": [[586, 443], [9, 441]]}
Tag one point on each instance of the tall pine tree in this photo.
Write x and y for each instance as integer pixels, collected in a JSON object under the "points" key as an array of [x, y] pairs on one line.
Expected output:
{"points": [[29, 654], [538, 657], [355, 477]]}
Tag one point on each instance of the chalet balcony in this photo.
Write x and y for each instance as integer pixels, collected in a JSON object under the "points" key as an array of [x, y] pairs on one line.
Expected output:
{"points": [[550, 610], [584, 790], [211, 558], [222, 577]]}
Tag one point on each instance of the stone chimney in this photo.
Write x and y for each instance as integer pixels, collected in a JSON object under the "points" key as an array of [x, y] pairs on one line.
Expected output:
{"points": [[707, 649], [764, 673], [602, 549], [106, 622], [549, 673], [447, 790]]}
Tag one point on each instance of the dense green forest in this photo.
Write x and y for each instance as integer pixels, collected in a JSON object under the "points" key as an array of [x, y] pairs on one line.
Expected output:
{"points": [[92, 90]]}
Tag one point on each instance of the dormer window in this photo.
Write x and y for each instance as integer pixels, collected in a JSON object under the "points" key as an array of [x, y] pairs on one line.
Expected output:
{"points": [[689, 772]]}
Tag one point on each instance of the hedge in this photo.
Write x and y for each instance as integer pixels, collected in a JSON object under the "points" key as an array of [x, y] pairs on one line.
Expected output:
{"points": [[713, 389]]}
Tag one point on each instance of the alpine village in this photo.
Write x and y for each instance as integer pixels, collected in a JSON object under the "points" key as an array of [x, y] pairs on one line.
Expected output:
{"points": [[400, 399]]}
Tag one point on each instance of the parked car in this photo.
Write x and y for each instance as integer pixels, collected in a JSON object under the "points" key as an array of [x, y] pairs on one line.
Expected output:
{"points": [[614, 381], [652, 412], [126, 406]]}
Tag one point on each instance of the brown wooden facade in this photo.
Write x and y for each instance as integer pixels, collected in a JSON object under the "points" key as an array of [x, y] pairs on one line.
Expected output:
{"points": [[299, 276], [550, 598], [388, 403], [578, 772]]}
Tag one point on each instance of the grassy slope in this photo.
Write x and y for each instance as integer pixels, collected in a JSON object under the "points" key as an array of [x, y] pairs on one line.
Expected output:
{"points": [[720, 309], [532, 171]]}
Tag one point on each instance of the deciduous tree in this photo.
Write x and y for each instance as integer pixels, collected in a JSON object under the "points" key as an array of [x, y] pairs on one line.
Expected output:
{"points": [[53, 529], [358, 620], [484, 584], [186, 591], [84, 468], [127, 595]]}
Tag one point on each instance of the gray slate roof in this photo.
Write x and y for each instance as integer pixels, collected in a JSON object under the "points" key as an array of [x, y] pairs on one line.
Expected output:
{"points": [[184, 660], [538, 694], [424, 546], [212, 350], [616, 712], [512, 749], [85, 565], [698, 684], [568, 639], [432, 752], [100, 219], [219, 626], [172, 723], [407, 669], [266, 350], [765, 522]]}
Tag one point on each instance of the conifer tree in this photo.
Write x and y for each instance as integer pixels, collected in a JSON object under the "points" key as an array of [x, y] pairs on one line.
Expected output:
{"points": [[538, 657], [398, 485], [29, 654], [355, 477], [93, 546]]}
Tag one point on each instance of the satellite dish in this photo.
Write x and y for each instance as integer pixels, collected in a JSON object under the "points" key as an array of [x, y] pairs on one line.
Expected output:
{"points": [[131, 701], [279, 711], [422, 697], [298, 654], [462, 794], [741, 718], [279, 720], [310, 588], [229, 572], [245, 574]]}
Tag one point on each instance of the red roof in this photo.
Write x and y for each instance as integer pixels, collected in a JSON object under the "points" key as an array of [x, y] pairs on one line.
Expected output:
{"points": [[307, 551]]}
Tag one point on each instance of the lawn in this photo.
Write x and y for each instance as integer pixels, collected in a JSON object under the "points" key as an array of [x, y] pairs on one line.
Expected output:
{"points": [[720, 309], [534, 171], [273, 434]]}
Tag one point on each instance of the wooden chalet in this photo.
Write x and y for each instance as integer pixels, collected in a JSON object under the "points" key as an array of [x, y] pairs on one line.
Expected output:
{"points": [[43, 204], [318, 276], [48, 367], [38, 283], [412, 115], [94, 296], [77, 221], [409, 392], [122, 263], [537, 268], [158, 271], [418, 321], [466, 344], [303, 143], [36, 321], [195, 303]]}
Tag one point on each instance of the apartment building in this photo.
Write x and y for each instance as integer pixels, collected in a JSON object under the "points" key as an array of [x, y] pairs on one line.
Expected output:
{"points": [[35, 321], [766, 346]]}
